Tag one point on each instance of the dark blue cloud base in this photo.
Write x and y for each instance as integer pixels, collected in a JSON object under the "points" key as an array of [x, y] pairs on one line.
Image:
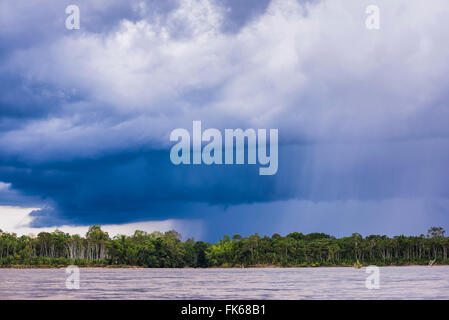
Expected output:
{"points": [[361, 141]]}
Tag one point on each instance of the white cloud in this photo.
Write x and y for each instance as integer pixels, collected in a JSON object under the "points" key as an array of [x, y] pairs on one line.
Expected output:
{"points": [[13, 219], [17, 219], [315, 71]]}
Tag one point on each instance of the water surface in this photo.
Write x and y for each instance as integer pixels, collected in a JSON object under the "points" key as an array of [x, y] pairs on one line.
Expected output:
{"points": [[418, 282]]}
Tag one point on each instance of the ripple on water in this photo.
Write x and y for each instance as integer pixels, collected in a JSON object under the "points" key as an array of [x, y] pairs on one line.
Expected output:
{"points": [[415, 282]]}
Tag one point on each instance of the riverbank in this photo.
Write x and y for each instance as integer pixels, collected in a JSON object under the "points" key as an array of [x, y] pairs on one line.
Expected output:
{"points": [[259, 266]]}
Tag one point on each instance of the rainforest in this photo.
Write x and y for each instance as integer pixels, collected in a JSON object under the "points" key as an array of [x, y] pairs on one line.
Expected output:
{"points": [[167, 250]]}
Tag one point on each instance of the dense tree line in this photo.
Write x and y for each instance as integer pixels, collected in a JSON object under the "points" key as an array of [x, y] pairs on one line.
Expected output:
{"points": [[166, 250]]}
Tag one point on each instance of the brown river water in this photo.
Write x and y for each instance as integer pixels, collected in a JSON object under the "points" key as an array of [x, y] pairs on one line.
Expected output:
{"points": [[415, 282]]}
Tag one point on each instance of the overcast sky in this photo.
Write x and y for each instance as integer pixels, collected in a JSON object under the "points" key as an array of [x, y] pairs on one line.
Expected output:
{"points": [[86, 115]]}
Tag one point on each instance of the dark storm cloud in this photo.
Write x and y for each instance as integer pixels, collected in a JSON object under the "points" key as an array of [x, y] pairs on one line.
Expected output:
{"points": [[135, 186], [85, 115]]}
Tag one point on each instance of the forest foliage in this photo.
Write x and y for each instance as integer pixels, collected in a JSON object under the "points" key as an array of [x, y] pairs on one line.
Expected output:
{"points": [[167, 250]]}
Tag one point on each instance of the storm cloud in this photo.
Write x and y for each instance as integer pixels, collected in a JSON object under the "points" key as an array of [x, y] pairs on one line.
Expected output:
{"points": [[85, 115]]}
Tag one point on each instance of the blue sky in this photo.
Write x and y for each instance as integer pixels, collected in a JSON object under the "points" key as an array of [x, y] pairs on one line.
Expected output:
{"points": [[85, 115]]}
